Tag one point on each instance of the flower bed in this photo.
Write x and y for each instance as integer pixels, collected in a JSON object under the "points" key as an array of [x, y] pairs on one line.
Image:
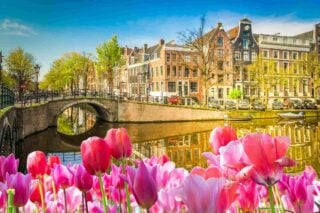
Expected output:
{"points": [[243, 175]]}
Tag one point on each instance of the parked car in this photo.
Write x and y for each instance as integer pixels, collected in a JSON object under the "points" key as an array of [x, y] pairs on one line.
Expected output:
{"points": [[230, 104], [258, 105], [174, 100], [309, 104], [244, 104], [294, 103], [214, 104], [276, 105]]}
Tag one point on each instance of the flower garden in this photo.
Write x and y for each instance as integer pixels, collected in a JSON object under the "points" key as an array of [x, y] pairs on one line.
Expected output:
{"points": [[243, 175]]}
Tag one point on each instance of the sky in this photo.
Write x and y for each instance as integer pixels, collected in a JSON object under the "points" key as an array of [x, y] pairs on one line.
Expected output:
{"points": [[49, 28]]}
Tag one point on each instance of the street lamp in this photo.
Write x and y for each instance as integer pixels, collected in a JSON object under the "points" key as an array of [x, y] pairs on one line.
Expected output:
{"points": [[36, 72], [1, 56]]}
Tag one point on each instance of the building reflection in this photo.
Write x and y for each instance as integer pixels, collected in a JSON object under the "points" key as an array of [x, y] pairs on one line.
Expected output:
{"points": [[186, 150]]}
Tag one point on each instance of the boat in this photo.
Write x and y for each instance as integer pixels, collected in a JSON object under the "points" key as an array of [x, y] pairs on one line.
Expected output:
{"points": [[238, 118], [291, 121], [291, 115]]}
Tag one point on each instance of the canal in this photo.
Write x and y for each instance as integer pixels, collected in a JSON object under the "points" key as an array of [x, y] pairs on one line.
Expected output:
{"points": [[183, 142]]}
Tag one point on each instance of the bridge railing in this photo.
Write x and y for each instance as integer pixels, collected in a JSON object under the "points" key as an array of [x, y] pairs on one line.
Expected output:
{"points": [[6, 96], [30, 98]]}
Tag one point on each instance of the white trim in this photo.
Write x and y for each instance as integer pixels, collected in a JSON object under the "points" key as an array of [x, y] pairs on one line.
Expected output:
{"points": [[185, 49]]}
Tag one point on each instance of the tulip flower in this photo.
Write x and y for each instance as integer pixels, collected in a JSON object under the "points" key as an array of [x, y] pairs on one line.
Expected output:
{"points": [[249, 197], [52, 161], [21, 185], [267, 155], [220, 137], [95, 154], [211, 195], [62, 176], [36, 164], [143, 185], [82, 179], [8, 165], [211, 172], [35, 192], [119, 143]]}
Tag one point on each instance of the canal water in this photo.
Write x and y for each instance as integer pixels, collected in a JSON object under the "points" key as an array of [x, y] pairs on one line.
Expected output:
{"points": [[183, 142]]}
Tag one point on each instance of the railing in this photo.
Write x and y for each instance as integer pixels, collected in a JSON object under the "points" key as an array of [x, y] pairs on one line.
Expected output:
{"points": [[6, 96]]}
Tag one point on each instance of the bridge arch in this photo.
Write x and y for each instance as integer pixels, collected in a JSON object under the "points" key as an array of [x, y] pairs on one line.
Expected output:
{"points": [[8, 138], [103, 111]]}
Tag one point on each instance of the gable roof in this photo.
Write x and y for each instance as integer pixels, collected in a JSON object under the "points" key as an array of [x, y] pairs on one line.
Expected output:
{"points": [[233, 32]]}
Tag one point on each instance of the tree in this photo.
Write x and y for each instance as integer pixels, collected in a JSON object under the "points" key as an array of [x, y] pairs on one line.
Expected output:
{"points": [[20, 66], [235, 94], [66, 72], [198, 42], [109, 56]]}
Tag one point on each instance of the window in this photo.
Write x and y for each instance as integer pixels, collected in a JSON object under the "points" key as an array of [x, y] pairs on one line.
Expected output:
{"points": [[254, 56], [174, 57], [220, 65], [168, 70], [157, 86], [275, 39], [220, 41], [286, 55], [238, 73], [161, 70], [187, 58], [157, 71], [295, 56], [237, 55], [228, 91], [171, 86], [174, 70], [195, 72], [265, 53], [286, 67], [220, 53], [275, 54], [295, 68], [168, 57], [180, 71], [318, 39], [245, 44], [220, 78], [276, 67], [220, 93], [246, 56], [193, 86], [186, 72], [151, 71]]}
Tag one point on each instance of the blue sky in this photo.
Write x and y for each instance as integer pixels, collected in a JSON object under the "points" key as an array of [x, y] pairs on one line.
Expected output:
{"points": [[49, 28]]}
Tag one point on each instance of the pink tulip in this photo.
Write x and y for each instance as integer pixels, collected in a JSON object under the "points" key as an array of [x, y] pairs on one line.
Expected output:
{"points": [[249, 196], [211, 172], [211, 195], [73, 196], [35, 195], [21, 185], [168, 201], [62, 176], [267, 155], [119, 143], [115, 175], [8, 165], [82, 179], [3, 195], [220, 137], [95, 154], [52, 161], [298, 193], [143, 185], [36, 164]]}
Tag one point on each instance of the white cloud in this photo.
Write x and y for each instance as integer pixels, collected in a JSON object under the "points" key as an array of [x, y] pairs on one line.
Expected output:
{"points": [[10, 27]]}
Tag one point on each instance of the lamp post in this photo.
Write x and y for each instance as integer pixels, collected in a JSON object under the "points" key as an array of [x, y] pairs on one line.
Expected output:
{"points": [[36, 72], [1, 56]]}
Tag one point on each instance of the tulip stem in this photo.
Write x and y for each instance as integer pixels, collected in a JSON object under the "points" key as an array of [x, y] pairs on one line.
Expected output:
{"points": [[120, 200], [65, 200], [104, 200], [126, 185], [54, 191], [85, 201], [41, 195], [271, 201], [10, 208]]}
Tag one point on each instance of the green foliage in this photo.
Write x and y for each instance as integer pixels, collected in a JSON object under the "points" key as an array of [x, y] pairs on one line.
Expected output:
{"points": [[65, 125], [66, 72], [235, 94], [20, 66], [108, 57]]}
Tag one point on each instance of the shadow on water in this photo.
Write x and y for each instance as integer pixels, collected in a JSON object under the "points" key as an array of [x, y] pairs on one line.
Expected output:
{"points": [[183, 142]]}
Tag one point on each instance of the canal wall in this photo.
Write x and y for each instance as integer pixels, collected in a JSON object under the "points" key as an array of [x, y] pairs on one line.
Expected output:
{"points": [[30, 120]]}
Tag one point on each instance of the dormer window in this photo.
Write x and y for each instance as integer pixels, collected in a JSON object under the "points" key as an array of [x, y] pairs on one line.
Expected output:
{"points": [[245, 44], [275, 39], [220, 41]]}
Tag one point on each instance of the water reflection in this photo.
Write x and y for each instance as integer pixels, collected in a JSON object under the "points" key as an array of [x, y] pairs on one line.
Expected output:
{"points": [[185, 141], [76, 119]]}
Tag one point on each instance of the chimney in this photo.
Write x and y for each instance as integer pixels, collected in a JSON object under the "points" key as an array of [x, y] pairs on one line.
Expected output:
{"points": [[145, 47], [161, 42]]}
